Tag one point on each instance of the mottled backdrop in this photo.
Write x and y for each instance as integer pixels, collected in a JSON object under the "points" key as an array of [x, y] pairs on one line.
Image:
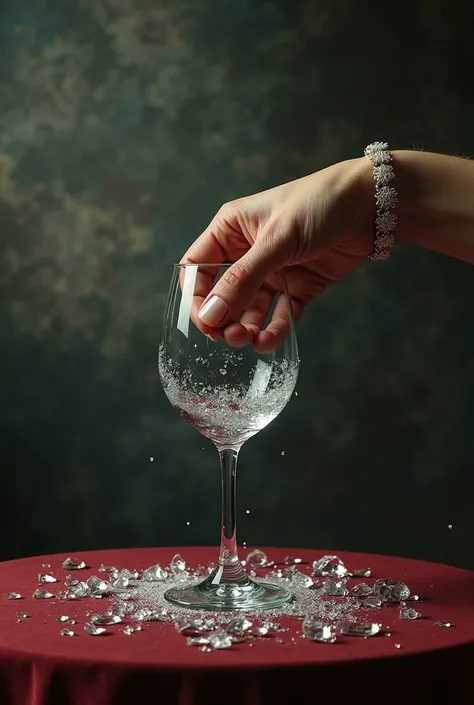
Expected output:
{"points": [[124, 124]]}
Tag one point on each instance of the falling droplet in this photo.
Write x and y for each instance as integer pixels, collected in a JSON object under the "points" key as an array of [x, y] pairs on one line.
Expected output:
{"points": [[151, 459], [247, 511]]}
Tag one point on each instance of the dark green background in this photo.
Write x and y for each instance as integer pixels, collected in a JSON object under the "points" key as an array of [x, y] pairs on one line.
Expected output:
{"points": [[124, 124]]}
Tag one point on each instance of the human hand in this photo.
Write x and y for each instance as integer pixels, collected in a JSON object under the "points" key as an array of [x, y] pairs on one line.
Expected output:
{"points": [[319, 228]]}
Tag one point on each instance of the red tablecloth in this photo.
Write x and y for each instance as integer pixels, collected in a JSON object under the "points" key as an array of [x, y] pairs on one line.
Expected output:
{"points": [[39, 667]]}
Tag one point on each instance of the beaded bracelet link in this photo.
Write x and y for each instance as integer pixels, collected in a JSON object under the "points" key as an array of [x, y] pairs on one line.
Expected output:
{"points": [[385, 199]]}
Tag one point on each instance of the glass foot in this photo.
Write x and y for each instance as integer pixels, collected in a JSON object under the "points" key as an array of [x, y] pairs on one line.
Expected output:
{"points": [[243, 595]]}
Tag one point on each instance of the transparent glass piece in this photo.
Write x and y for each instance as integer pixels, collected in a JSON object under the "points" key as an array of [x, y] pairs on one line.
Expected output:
{"points": [[358, 628], [329, 566], [73, 563]]}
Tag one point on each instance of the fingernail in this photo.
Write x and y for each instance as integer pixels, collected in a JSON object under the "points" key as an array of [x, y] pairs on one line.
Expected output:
{"points": [[213, 311], [214, 340]]}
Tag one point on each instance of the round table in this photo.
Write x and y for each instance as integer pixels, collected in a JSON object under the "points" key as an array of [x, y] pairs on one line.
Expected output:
{"points": [[39, 667]]}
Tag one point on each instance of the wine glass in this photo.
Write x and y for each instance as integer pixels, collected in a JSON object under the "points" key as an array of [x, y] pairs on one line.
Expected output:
{"points": [[228, 394]]}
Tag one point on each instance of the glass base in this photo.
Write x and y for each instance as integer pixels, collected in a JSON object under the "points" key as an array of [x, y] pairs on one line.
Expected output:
{"points": [[243, 595]]}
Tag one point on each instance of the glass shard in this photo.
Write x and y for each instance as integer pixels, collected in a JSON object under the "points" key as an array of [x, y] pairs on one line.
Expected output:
{"points": [[372, 601], [187, 626], [329, 566], [105, 620], [391, 590], [335, 588], [316, 630], [297, 578], [272, 626], [128, 630], [79, 590], [153, 573], [96, 585], [178, 564], [45, 578], [289, 560], [219, 639], [120, 581], [93, 630], [362, 573], [358, 629], [21, 615], [260, 630], [257, 558], [66, 632], [361, 590], [42, 594], [238, 626], [197, 641], [73, 563], [62, 618], [141, 615], [441, 623], [409, 613], [14, 596]]}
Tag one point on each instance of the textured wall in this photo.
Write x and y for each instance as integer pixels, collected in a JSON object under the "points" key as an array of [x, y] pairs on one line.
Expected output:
{"points": [[123, 126]]}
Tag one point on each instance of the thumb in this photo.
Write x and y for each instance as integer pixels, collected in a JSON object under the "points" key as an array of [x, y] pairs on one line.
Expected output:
{"points": [[240, 283]]}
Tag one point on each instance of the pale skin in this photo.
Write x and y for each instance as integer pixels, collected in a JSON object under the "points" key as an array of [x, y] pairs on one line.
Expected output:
{"points": [[319, 228]]}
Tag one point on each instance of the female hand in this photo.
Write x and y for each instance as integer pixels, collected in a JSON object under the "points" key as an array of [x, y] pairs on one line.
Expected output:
{"points": [[319, 228]]}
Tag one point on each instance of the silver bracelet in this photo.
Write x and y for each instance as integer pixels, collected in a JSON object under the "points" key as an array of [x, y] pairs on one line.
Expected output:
{"points": [[385, 198]]}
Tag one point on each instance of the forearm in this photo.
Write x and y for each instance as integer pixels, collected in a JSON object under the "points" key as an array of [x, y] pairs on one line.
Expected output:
{"points": [[435, 206]]}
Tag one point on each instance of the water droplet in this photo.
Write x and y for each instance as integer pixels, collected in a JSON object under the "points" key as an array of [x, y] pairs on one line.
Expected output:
{"points": [[151, 459], [247, 511], [66, 632], [450, 526], [282, 452], [188, 523], [398, 646]]}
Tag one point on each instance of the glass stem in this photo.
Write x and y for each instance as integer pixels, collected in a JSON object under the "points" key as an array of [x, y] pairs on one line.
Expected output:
{"points": [[229, 568]]}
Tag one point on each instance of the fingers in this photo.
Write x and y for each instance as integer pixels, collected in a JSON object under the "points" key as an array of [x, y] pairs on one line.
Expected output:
{"points": [[238, 287], [280, 325], [251, 321]]}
